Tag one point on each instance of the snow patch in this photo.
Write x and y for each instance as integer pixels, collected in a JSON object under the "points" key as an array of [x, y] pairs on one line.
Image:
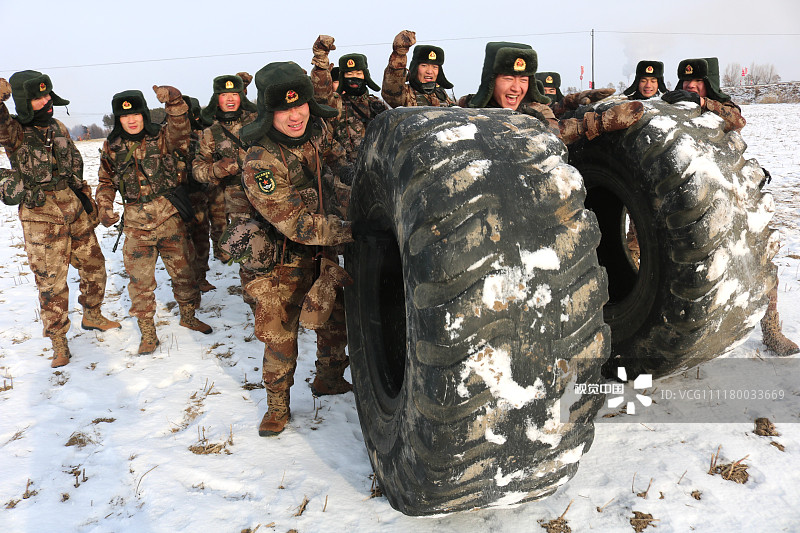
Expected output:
{"points": [[541, 296], [459, 133], [496, 438], [719, 264], [502, 480], [544, 259], [493, 366], [663, 123]]}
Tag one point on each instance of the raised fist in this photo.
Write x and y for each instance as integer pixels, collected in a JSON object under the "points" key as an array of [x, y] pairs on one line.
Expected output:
{"points": [[227, 166], [246, 78], [322, 46], [404, 41], [108, 217], [167, 93], [5, 90]]}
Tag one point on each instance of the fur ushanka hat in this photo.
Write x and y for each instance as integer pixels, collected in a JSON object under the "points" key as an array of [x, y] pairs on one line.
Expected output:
{"points": [[513, 59]]}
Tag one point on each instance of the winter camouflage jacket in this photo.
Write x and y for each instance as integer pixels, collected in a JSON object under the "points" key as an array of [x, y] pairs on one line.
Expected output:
{"points": [[47, 167], [728, 112], [216, 145], [355, 113], [149, 173], [283, 185]]}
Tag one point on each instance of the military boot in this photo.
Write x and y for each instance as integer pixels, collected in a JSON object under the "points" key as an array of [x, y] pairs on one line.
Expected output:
{"points": [[205, 286], [329, 380], [277, 415], [188, 320], [61, 353], [149, 338], [773, 337], [92, 319]]}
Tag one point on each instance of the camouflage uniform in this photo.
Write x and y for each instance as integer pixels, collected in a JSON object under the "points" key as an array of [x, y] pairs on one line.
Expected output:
{"points": [[401, 87], [354, 112], [145, 173], [219, 158], [291, 188], [217, 218], [47, 183]]}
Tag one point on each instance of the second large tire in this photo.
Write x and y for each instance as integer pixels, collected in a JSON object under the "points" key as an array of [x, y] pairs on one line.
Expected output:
{"points": [[477, 304], [702, 223]]}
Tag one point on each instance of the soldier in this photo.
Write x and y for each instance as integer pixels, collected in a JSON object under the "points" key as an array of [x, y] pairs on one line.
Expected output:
{"points": [[56, 211], [423, 83], [649, 81], [220, 154], [137, 160], [551, 82], [508, 81], [355, 106], [698, 82], [288, 177]]}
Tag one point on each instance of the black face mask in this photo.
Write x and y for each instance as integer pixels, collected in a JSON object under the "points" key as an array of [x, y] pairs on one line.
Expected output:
{"points": [[425, 88], [228, 116], [354, 86], [43, 116], [136, 137]]}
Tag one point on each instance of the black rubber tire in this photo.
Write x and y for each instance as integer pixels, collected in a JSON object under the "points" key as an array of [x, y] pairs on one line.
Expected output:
{"points": [[458, 390], [702, 224]]}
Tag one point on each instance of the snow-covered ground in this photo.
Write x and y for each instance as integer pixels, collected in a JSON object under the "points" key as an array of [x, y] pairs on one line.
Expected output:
{"points": [[103, 444]]}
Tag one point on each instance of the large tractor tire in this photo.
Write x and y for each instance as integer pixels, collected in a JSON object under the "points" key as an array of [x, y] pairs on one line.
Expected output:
{"points": [[477, 304], [701, 220]]}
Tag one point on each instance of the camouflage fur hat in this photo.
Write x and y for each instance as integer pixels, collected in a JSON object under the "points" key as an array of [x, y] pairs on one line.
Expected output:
{"points": [[281, 86], [350, 62], [553, 80], [647, 69], [29, 85], [504, 58], [229, 83], [706, 69], [433, 55], [130, 103]]}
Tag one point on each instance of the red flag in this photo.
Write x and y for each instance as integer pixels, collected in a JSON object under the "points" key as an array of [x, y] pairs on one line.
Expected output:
{"points": [[590, 85], [581, 70], [744, 72]]}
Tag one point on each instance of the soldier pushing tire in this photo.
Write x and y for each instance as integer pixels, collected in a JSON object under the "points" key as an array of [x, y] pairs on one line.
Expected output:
{"points": [[477, 303], [701, 222]]}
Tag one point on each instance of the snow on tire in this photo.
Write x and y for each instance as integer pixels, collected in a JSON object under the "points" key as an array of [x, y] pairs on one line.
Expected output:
{"points": [[474, 311], [702, 223]]}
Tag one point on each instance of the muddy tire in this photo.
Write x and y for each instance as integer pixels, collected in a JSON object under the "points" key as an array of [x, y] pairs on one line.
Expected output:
{"points": [[474, 311], [702, 224]]}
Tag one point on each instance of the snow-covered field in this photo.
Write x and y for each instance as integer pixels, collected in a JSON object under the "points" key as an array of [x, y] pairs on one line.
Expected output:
{"points": [[105, 443]]}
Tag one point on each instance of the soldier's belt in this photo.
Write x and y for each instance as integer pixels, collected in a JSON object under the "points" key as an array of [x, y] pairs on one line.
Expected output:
{"points": [[59, 185]]}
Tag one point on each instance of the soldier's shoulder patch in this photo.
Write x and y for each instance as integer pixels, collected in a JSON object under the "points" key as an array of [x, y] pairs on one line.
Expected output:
{"points": [[265, 181]]}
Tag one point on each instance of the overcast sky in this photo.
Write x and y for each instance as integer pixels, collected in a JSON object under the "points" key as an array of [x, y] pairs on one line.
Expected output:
{"points": [[93, 49]]}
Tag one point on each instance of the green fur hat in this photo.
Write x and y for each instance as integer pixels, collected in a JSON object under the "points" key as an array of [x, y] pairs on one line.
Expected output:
{"points": [[706, 69], [229, 83], [194, 112], [282, 85], [647, 69], [350, 62], [130, 103], [551, 79], [426, 53], [513, 59], [29, 85]]}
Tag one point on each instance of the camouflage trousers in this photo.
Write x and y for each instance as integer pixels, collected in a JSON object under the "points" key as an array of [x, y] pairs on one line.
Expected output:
{"points": [[51, 249], [198, 229], [216, 212], [280, 296], [246, 276], [140, 252]]}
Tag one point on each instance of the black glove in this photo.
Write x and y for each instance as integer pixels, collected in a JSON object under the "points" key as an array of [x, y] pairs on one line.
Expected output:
{"points": [[679, 95]]}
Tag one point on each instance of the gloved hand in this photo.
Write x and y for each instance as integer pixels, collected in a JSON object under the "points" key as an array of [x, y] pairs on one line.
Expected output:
{"points": [[617, 118], [573, 100], [167, 94], [318, 302], [227, 166], [108, 217], [404, 41], [5, 90], [322, 46], [679, 95], [246, 78]]}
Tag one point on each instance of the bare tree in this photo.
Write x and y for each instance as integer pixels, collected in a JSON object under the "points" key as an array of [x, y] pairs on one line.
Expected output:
{"points": [[732, 74], [96, 132], [621, 86], [571, 89]]}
